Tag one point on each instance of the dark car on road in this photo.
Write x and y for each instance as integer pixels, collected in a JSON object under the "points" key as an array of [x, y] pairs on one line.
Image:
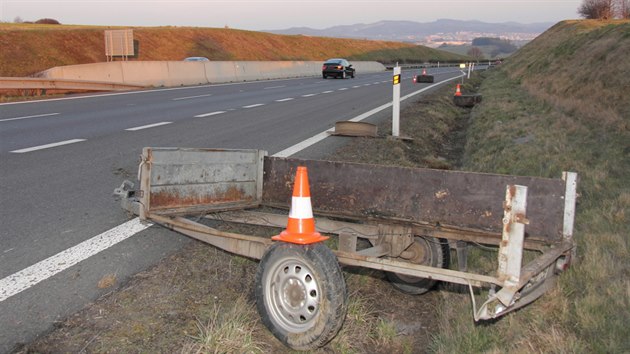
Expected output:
{"points": [[337, 68]]}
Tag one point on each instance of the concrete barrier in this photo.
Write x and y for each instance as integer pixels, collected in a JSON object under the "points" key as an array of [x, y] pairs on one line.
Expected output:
{"points": [[181, 73]]}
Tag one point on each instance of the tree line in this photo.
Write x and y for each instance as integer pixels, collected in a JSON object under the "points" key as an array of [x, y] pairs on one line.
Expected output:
{"points": [[605, 9]]}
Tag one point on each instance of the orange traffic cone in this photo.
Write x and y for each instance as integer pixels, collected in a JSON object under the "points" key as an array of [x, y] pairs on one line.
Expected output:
{"points": [[458, 92], [301, 225], [424, 72]]}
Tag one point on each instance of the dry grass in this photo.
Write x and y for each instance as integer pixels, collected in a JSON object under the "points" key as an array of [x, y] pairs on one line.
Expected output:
{"points": [[230, 329], [34, 48]]}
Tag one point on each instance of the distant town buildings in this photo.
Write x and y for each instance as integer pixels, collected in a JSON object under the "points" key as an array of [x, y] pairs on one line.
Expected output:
{"points": [[466, 38]]}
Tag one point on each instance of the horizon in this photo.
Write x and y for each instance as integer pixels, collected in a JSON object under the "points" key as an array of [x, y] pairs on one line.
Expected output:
{"points": [[266, 15]]}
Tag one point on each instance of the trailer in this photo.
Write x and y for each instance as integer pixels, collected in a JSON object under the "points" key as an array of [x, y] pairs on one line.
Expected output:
{"points": [[403, 221]]}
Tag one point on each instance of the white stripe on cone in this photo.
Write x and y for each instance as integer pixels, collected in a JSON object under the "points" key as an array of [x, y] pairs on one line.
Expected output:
{"points": [[301, 208]]}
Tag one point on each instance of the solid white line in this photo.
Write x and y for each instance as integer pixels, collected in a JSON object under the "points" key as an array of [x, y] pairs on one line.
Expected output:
{"points": [[48, 146], [209, 114], [310, 95], [24, 279], [29, 117], [303, 145], [323, 135], [285, 99], [254, 105], [190, 97], [148, 126]]}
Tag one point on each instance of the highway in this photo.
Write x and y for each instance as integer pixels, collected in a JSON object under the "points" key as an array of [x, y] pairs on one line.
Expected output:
{"points": [[60, 160]]}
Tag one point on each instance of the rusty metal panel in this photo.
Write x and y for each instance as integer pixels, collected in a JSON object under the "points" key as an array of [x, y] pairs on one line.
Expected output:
{"points": [[438, 197], [184, 181]]}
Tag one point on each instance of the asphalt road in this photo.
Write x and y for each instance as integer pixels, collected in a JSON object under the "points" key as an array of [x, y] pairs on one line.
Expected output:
{"points": [[60, 160]]}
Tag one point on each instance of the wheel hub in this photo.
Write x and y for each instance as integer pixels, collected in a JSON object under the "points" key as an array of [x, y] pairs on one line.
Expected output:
{"points": [[294, 296], [294, 293]]}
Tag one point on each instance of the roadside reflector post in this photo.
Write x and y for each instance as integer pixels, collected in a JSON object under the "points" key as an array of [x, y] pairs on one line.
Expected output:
{"points": [[470, 65], [462, 67], [396, 102]]}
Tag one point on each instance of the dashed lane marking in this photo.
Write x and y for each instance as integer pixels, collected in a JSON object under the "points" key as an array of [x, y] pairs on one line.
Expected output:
{"points": [[209, 114], [47, 146], [254, 105], [29, 117], [147, 126]]}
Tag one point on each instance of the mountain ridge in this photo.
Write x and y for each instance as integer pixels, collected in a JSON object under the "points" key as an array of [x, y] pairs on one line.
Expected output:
{"points": [[412, 31]]}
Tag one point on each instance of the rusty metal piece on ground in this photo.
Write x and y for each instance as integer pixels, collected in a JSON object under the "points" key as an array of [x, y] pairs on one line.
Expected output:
{"points": [[422, 79], [467, 100], [348, 128]]}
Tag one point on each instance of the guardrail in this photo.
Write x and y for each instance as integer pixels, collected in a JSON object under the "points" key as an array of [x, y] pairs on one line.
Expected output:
{"points": [[27, 83]]}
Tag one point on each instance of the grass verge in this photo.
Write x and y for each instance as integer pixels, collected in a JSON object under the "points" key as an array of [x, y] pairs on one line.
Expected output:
{"points": [[515, 132]]}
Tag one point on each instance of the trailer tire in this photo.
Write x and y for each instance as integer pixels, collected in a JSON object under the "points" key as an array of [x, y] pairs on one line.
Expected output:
{"points": [[301, 294], [429, 251]]}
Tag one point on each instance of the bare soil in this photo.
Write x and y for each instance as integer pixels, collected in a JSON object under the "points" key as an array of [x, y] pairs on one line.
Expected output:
{"points": [[161, 309]]}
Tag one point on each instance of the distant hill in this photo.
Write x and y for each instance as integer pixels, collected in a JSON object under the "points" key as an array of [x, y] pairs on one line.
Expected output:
{"points": [[30, 48], [409, 31]]}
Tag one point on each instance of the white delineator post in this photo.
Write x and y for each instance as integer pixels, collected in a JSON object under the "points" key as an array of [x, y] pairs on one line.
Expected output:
{"points": [[396, 102]]}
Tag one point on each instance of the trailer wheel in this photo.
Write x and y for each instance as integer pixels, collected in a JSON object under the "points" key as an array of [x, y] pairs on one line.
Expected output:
{"points": [[301, 294], [425, 250]]}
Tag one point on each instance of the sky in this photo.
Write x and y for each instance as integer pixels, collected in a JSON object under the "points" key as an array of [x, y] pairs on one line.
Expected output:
{"points": [[281, 14]]}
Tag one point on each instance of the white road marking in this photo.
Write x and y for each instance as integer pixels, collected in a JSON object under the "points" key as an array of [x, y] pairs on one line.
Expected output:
{"points": [[367, 84], [376, 83], [342, 89], [254, 105], [24, 279], [309, 95], [327, 92], [209, 114], [48, 146], [148, 126], [191, 97], [274, 87], [285, 99], [29, 117], [356, 86]]}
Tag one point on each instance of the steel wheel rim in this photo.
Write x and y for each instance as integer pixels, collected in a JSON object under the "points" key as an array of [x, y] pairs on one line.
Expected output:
{"points": [[294, 295]]}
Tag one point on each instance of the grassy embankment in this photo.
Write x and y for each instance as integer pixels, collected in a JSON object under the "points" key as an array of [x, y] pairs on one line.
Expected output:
{"points": [[561, 104], [33, 48]]}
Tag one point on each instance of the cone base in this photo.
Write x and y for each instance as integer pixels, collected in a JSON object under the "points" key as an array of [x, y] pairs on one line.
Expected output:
{"points": [[300, 239]]}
